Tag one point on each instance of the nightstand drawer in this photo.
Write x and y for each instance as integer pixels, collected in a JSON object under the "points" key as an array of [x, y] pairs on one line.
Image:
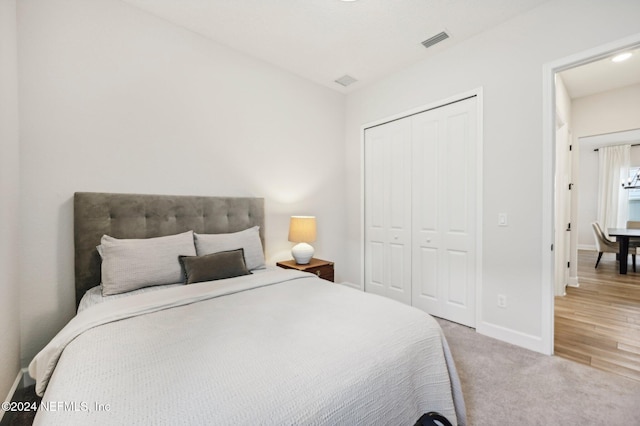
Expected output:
{"points": [[319, 267], [324, 272]]}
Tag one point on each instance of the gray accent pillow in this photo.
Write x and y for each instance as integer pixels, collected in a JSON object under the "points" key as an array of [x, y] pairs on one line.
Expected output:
{"points": [[214, 266], [249, 240], [130, 264]]}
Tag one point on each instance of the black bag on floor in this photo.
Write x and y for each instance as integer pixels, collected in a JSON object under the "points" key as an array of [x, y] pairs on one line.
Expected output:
{"points": [[433, 419]]}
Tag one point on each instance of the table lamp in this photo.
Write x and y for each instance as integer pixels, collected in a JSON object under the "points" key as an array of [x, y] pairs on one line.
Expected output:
{"points": [[302, 230]]}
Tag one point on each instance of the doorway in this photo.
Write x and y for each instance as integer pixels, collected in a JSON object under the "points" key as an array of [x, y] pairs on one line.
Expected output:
{"points": [[551, 198]]}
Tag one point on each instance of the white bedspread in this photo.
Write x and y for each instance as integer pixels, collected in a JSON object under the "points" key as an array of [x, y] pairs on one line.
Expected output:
{"points": [[282, 347]]}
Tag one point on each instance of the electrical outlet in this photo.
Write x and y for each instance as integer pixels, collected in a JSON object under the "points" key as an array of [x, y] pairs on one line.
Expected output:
{"points": [[502, 219], [502, 301]]}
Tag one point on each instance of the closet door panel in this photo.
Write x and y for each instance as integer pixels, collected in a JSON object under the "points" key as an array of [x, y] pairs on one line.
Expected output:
{"points": [[397, 200], [459, 210], [374, 212], [425, 221], [376, 279], [397, 256], [444, 203], [456, 182], [457, 279], [388, 225], [397, 195], [425, 171], [426, 282]]}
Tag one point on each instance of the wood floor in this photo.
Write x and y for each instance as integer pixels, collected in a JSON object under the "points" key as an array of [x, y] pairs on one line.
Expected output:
{"points": [[598, 323]]}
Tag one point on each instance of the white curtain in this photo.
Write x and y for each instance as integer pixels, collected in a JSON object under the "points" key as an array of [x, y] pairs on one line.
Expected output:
{"points": [[613, 200]]}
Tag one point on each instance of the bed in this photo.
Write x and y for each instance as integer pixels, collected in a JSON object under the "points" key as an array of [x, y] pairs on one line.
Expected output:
{"points": [[269, 346]]}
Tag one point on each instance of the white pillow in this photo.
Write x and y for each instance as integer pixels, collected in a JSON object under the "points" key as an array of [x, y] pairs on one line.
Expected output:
{"points": [[249, 240], [128, 265]]}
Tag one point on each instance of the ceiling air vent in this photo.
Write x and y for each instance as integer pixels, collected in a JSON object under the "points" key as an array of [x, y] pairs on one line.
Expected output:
{"points": [[346, 80], [435, 39]]}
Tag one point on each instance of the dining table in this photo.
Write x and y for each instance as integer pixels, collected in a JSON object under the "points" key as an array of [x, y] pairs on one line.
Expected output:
{"points": [[623, 235]]}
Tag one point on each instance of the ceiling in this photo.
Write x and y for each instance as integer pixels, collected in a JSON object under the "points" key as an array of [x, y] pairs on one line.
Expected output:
{"points": [[322, 40], [602, 75]]}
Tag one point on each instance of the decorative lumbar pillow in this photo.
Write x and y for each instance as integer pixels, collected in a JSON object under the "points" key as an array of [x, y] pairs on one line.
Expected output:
{"points": [[215, 266], [249, 240], [136, 263]]}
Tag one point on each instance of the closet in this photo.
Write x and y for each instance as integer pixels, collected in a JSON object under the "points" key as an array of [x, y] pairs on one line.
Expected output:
{"points": [[420, 210]]}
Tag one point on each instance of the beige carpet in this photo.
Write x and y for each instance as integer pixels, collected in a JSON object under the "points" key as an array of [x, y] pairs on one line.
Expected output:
{"points": [[507, 385]]}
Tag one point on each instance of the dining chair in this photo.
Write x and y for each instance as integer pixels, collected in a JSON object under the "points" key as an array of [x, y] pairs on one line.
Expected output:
{"points": [[633, 244], [605, 245]]}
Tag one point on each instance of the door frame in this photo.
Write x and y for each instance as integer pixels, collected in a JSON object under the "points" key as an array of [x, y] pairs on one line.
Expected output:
{"points": [[549, 71], [478, 93]]}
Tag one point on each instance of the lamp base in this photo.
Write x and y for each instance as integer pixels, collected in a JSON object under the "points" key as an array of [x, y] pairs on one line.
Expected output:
{"points": [[302, 253]]}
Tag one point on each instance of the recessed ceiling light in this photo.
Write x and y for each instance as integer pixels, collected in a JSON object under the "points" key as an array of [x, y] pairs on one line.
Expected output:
{"points": [[621, 57]]}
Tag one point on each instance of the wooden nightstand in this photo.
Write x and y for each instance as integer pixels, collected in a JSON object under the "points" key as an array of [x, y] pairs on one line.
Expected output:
{"points": [[322, 268]]}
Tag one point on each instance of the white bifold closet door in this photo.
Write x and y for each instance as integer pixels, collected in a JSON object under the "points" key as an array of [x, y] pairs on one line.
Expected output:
{"points": [[387, 218], [420, 210]]}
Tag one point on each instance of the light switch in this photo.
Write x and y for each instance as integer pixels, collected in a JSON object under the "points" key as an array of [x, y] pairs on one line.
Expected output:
{"points": [[502, 219]]}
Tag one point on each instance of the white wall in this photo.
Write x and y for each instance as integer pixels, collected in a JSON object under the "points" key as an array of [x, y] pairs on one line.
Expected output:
{"points": [[113, 99], [607, 112], [507, 62], [9, 190]]}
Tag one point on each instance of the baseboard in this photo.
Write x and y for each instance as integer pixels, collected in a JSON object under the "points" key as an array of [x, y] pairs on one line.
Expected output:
{"points": [[524, 340], [16, 385], [352, 285], [573, 282], [586, 247]]}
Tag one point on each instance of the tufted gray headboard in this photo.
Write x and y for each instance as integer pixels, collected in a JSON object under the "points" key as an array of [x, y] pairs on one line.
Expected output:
{"points": [[146, 216]]}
